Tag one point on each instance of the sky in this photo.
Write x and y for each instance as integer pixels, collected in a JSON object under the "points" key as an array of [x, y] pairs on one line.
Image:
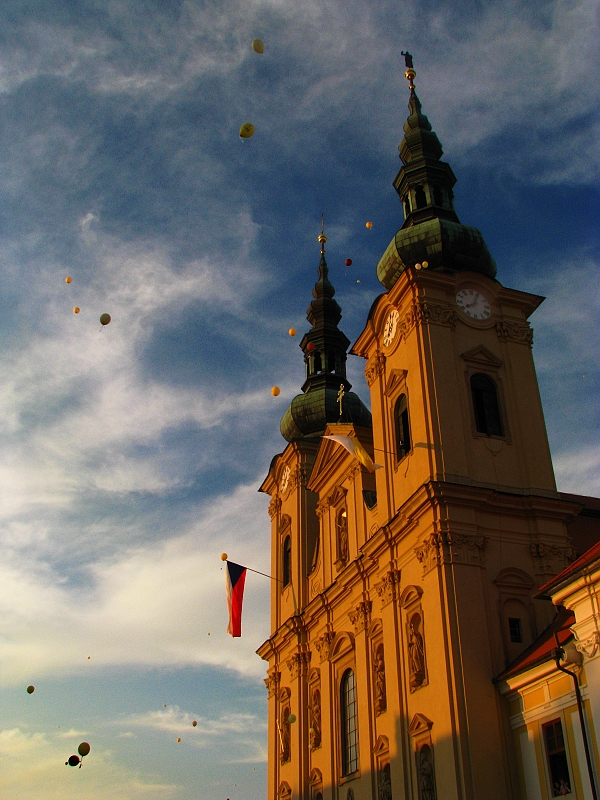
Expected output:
{"points": [[131, 455]]}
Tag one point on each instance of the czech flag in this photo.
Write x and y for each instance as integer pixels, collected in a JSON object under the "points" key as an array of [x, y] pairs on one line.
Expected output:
{"points": [[235, 579]]}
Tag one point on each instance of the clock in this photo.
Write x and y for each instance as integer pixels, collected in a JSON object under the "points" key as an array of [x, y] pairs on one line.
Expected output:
{"points": [[390, 328], [473, 303], [285, 479]]}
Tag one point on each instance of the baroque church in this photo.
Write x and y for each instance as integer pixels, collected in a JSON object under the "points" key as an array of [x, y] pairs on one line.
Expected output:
{"points": [[430, 636]]}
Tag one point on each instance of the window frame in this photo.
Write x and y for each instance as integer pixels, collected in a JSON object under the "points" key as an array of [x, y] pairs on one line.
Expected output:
{"points": [[350, 765], [286, 560], [544, 727], [406, 432]]}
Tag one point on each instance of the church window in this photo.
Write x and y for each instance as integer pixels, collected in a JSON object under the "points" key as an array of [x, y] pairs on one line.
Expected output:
{"points": [[402, 428], [438, 196], [287, 561], [406, 206], [515, 629], [557, 758], [349, 723], [485, 405], [318, 362], [331, 361], [420, 198]]}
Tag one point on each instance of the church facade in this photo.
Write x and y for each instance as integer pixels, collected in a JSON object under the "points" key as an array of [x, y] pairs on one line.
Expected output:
{"points": [[407, 583]]}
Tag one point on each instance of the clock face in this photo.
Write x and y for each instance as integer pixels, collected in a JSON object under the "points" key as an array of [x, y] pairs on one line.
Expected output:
{"points": [[473, 303], [391, 326], [285, 479]]}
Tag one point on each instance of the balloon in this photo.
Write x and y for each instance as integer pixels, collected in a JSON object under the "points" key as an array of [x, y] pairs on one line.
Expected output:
{"points": [[275, 391], [310, 347], [30, 689], [425, 264], [292, 331], [247, 130], [258, 46], [348, 262], [369, 225], [76, 310], [292, 718], [68, 279], [223, 556], [179, 738], [83, 749], [89, 658], [417, 266], [194, 723], [104, 319], [165, 705], [73, 761]]}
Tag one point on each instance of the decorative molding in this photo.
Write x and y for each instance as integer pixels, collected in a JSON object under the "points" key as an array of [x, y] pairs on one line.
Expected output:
{"points": [[451, 548], [382, 746], [590, 646], [322, 507], [419, 725], [299, 477], [272, 684], [315, 778], [274, 506], [354, 470], [396, 380], [426, 313], [336, 496], [284, 791], [360, 617], [387, 588], [520, 332], [480, 356], [375, 367], [299, 664], [323, 645], [411, 594], [550, 559]]}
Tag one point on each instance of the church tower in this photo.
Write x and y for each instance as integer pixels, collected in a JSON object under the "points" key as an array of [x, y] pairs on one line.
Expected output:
{"points": [[403, 591]]}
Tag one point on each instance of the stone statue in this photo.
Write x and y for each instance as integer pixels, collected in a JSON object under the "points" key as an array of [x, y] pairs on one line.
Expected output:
{"points": [[285, 736], [385, 784], [426, 777], [343, 546], [416, 653], [315, 720], [408, 59], [379, 675]]}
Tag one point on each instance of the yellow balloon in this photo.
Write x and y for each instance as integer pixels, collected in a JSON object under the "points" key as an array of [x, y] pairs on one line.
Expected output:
{"points": [[292, 331], [369, 224], [258, 46], [276, 391], [76, 310], [68, 279], [247, 130], [223, 556]]}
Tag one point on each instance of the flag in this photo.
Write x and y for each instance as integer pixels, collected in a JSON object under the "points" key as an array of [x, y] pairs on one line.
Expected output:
{"points": [[355, 448], [234, 581]]}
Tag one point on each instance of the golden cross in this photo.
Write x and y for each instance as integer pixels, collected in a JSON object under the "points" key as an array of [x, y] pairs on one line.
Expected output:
{"points": [[340, 398]]}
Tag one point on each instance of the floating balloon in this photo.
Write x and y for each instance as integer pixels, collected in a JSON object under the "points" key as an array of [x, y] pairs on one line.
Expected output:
{"points": [[275, 391], [165, 705], [310, 347], [348, 262], [76, 310], [292, 331], [30, 689], [89, 658], [68, 279], [417, 266], [425, 264], [223, 556], [194, 723], [247, 130], [104, 319], [292, 718], [179, 738], [73, 761], [368, 224], [84, 749], [258, 46], [358, 281]]}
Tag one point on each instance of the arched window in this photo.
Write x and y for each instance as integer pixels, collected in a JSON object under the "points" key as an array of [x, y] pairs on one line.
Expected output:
{"points": [[485, 405], [349, 726], [287, 560], [420, 198], [402, 427]]}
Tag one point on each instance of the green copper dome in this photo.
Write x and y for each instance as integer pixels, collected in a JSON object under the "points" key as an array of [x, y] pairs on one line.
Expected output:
{"points": [[324, 347]]}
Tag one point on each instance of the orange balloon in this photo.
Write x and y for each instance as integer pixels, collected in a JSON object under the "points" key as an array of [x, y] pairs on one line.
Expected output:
{"points": [[275, 391], [68, 279], [292, 331], [179, 739], [194, 723], [369, 224], [76, 310]]}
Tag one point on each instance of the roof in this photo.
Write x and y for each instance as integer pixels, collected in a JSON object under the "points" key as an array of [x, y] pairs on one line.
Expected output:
{"points": [[541, 649], [569, 573]]}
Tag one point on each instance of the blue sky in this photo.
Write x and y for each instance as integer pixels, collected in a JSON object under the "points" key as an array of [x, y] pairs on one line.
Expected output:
{"points": [[130, 457]]}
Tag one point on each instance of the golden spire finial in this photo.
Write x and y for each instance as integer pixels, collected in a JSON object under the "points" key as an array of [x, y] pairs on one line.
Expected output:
{"points": [[321, 237], [410, 73]]}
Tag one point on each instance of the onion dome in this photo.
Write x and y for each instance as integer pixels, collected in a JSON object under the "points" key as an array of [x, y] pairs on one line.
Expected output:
{"points": [[326, 386], [431, 230]]}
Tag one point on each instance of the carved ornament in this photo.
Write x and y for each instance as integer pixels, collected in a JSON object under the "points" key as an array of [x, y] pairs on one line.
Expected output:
{"points": [[451, 548], [323, 645], [520, 332], [375, 367], [387, 588], [426, 313], [299, 664], [550, 559], [272, 684], [274, 506], [360, 617], [590, 646]]}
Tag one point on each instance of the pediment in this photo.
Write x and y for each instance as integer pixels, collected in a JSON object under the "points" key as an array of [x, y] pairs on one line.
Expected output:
{"points": [[337, 496], [395, 381], [514, 578], [382, 746], [481, 356], [419, 724], [342, 644], [410, 595], [285, 790], [315, 778]]}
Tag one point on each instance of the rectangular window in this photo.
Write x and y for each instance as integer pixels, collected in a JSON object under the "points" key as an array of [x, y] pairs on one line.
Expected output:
{"points": [[514, 628], [557, 758]]}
